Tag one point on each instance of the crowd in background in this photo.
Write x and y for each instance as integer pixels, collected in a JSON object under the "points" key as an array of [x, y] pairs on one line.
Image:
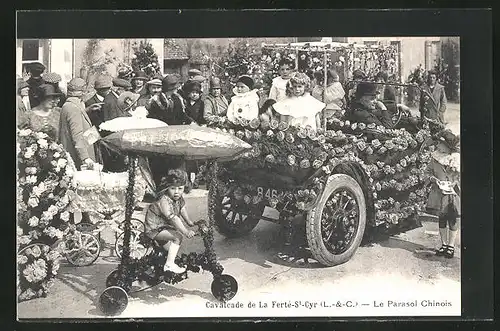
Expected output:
{"points": [[294, 97]]}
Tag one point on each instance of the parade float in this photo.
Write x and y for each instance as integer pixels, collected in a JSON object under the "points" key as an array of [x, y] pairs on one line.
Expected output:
{"points": [[347, 179]]}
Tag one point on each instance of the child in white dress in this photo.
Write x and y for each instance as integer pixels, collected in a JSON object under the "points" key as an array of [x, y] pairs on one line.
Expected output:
{"points": [[245, 103], [278, 88], [300, 108]]}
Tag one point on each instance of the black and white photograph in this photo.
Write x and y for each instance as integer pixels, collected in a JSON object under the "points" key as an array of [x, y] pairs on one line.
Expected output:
{"points": [[238, 177]]}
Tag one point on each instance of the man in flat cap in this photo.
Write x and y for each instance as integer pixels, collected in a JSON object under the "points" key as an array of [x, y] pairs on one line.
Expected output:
{"points": [[35, 71], [193, 73], [22, 100], [153, 92], [364, 106], [102, 86], [110, 109]]}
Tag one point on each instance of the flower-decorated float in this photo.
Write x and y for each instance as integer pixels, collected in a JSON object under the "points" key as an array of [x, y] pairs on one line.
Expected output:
{"points": [[346, 178]]}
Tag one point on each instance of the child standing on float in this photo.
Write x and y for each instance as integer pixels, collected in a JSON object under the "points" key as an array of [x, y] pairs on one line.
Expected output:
{"points": [[278, 88], [245, 103], [300, 108], [165, 217], [444, 198]]}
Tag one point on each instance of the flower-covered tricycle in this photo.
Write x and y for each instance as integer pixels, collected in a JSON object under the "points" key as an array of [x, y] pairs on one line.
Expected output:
{"points": [[193, 143]]}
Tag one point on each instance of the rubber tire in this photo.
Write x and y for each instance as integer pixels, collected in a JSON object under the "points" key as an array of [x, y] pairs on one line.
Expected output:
{"points": [[217, 290], [113, 301], [229, 231], [89, 262], [313, 222]]}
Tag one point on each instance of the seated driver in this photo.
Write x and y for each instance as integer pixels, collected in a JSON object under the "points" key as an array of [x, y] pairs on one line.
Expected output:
{"points": [[166, 216], [365, 107]]}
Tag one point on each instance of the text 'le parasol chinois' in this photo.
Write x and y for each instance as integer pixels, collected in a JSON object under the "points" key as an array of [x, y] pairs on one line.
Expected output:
{"points": [[192, 142]]}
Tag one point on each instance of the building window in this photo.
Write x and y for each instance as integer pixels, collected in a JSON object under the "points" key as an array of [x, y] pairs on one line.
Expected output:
{"points": [[31, 50]]}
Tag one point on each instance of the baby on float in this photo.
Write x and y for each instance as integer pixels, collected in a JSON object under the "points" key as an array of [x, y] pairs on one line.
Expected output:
{"points": [[300, 108]]}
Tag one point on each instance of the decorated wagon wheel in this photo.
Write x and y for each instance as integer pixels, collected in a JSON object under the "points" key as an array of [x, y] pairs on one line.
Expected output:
{"points": [[224, 287], [138, 248], [234, 217], [82, 249], [113, 300], [335, 227]]}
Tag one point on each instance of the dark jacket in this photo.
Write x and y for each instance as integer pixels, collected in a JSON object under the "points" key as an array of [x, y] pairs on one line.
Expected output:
{"points": [[360, 113], [170, 110], [110, 108], [433, 103], [195, 111], [96, 117]]}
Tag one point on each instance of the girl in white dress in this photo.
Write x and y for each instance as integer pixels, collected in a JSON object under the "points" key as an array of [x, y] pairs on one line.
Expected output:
{"points": [[278, 88], [300, 108], [245, 103]]}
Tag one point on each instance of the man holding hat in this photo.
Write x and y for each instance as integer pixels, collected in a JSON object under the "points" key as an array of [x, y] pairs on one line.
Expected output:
{"points": [[153, 92], [364, 106], [35, 71], [110, 108], [170, 109], [74, 124], [138, 82], [102, 86], [215, 104]]}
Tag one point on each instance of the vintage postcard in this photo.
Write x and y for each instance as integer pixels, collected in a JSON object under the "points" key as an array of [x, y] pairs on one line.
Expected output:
{"points": [[238, 177]]}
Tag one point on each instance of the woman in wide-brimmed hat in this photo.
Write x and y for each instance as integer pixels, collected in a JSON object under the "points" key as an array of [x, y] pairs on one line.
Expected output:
{"points": [[54, 79], [45, 116]]}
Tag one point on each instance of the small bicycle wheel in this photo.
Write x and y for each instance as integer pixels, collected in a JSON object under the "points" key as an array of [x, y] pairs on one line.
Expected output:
{"points": [[82, 249], [113, 301], [137, 248], [224, 288]]}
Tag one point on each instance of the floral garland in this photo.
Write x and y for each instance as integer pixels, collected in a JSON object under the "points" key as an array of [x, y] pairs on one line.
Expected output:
{"points": [[395, 161], [44, 177]]}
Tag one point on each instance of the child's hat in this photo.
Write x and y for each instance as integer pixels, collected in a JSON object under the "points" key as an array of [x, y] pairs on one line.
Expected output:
{"points": [[247, 80]]}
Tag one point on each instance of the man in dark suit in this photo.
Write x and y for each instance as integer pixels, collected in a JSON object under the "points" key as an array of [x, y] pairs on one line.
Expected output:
{"points": [[102, 86], [110, 109], [170, 108], [433, 99], [364, 106]]}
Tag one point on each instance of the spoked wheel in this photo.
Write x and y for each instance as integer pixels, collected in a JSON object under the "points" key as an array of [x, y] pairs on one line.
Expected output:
{"points": [[135, 224], [82, 249], [138, 248], [224, 288], [335, 227], [234, 217], [113, 300]]}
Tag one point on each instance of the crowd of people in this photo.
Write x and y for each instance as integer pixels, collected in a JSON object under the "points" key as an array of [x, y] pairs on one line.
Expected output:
{"points": [[294, 97]]}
